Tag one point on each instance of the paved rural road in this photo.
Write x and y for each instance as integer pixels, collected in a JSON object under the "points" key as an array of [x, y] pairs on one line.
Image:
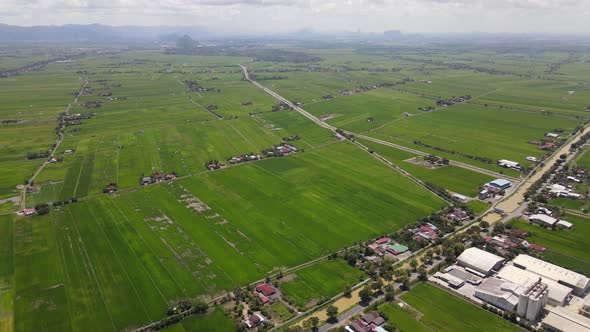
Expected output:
{"points": [[368, 138], [422, 153], [515, 201], [57, 144], [342, 319]]}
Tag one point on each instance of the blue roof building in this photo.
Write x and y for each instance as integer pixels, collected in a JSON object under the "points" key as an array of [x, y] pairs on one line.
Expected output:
{"points": [[500, 184]]}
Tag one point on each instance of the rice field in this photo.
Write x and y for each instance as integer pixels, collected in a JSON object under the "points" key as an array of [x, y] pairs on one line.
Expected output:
{"points": [[445, 312], [85, 264], [318, 283], [567, 247]]}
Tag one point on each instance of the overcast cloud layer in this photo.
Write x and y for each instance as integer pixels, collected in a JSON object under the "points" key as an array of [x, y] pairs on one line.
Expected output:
{"points": [[268, 16]]}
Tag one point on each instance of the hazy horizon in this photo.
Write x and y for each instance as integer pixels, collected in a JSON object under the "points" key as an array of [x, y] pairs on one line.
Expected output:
{"points": [[281, 16]]}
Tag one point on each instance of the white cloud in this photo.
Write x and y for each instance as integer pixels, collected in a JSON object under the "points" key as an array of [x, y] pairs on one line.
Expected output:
{"points": [[288, 15]]}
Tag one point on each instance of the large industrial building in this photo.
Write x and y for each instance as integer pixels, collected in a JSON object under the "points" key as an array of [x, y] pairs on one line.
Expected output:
{"points": [[577, 282], [527, 300], [500, 293], [479, 262], [558, 293], [532, 288]]}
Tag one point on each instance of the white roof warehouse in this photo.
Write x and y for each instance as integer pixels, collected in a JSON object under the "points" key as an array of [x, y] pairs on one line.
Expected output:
{"points": [[576, 281], [481, 261]]}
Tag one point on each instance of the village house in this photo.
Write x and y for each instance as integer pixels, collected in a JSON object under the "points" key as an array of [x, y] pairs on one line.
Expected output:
{"points": [[370, 322], [29, 212], [501, 241], [517, 232], [254, 320], [534, 246], [110, 188], [396, 249], [426, 232], [265, 289], [32, 189], [157, 177], [384, 245], [543, 219], [458, 215], [575, 179]]}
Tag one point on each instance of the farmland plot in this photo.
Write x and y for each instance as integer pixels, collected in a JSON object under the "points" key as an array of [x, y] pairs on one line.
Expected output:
{"points": [[477, 131], [301, 206], [567, 247], [320, 282], [453, 178], [445, 312]]}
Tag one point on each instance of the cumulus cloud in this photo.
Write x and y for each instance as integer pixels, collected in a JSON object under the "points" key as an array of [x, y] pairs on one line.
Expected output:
{"points": [[289, 15]]}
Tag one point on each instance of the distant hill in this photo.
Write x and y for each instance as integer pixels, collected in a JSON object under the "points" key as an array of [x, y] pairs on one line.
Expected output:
{"points": [[96, 33]]}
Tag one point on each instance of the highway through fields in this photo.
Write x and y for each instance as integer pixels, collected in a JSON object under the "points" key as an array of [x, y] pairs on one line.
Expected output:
{"points": [[368, 138], [513, 204]]}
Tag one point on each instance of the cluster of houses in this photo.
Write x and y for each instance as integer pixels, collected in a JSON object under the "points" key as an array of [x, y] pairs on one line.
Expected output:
{"points": [[244, 158], [116, 98], [547, 143], [385, 246], [546, 220], [212, 165], [110, 188], [28, 212], [281, 106], [54, 159], [342, 135], [426, 108], [558, 190], [426, 232], [511, 239], [32, 188], [453, 101], [457, 214], [266, 292], [254, 320], [157, 177], [92, 104], [74, 119], [193, 86], [359, 90], [291, 138], [369, 322], [436, 161], [543, 144], [280, 150]]}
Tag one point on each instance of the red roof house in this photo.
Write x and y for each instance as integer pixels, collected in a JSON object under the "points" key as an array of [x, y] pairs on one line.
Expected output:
{"points": [[537, 247], [382, 240], [29, 212], [266, 289]]}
